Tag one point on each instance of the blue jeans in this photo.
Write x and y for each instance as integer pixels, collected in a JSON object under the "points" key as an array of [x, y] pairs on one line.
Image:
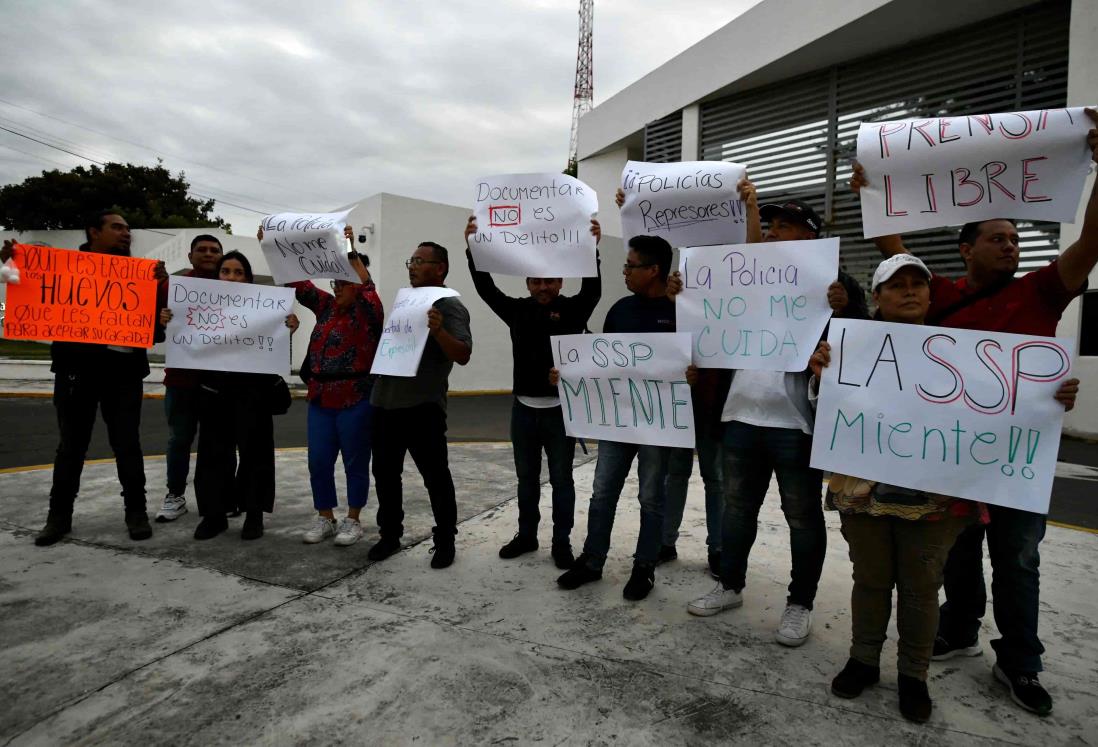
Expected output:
{"points": [[343, 431], [679, 466], [181, 407], [1013, 540], [751, 455], [534, 429], [614, 462]]}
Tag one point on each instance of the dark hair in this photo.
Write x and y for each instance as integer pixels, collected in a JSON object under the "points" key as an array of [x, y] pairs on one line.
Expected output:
{"points": [[971, 231], [438, 252], [206, 237], [239, 257], [653, 250], [95, 220]]}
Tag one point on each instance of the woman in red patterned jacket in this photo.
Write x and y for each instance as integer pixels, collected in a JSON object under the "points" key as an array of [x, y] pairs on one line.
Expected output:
{"points": [[341, 351]]}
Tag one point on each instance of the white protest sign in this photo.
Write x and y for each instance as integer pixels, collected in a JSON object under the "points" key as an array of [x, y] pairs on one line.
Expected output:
{"points": [[306, 246], [220, 326], [405, 335], [690, 203], [629, 387], [756, 306], [925, 173], [534, 225], [958, 412]]}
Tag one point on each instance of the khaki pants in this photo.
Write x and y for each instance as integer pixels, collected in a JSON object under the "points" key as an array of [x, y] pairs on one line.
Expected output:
{"points": [[888, 551]]}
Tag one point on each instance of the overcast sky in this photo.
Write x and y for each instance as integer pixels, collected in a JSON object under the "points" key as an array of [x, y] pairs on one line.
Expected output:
{"points": [[307, 106]]}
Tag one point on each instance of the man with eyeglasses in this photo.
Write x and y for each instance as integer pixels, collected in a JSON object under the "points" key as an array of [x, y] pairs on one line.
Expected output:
{"points": [[537, 422], [648, 309], [410, 416]]}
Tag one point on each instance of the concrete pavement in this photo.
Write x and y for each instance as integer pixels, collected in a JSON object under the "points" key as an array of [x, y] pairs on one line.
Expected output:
{"points": [[103, 640]]}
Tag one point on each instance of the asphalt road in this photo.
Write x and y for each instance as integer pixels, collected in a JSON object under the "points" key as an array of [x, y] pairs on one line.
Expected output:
{"points": [[30, 438]]}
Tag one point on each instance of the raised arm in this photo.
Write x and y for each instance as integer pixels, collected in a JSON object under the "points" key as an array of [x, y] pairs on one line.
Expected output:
{"points": [[750, 199], [1079, 259], [500, 303], [886, 245], [590, 291]]}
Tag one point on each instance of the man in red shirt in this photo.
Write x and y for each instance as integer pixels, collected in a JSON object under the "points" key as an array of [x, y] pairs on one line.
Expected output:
{"points": [[990, 298]]}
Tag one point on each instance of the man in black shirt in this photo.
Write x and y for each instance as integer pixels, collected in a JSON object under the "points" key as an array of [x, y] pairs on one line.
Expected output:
{"points": [[536, 419], [648, 309]]}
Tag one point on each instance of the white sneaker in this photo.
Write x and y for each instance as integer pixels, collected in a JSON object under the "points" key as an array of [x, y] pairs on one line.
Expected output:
{"points": [[350, 532], [718, 600], [322, 529], [795, 626], [174, 506]]}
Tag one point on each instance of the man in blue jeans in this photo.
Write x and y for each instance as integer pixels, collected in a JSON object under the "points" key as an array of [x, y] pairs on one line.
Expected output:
{"points": [[536, 419], [648, 309], [181, 391]]}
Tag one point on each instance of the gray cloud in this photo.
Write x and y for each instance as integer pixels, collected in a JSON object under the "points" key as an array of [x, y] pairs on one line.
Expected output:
{"points": [[315, 106]]}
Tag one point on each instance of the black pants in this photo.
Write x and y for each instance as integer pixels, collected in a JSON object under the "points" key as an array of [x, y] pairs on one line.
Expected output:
{"points": [[233, 420], [77, 398], [420, 431]]}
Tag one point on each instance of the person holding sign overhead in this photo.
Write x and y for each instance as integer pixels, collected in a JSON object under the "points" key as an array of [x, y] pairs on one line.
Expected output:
{"points": [[537, 422], [648, 309], [989, 297], [107, 378], [235, 410], [410, 416]]}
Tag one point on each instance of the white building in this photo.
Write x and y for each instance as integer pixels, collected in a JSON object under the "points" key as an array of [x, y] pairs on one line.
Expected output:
{"points": [[784, 87]]}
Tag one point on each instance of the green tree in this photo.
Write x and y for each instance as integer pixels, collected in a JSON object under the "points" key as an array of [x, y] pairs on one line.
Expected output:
{"points": [[148, 197]]}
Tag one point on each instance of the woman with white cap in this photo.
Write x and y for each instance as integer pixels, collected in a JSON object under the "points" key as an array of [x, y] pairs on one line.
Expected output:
{"points": [[898, 537]]}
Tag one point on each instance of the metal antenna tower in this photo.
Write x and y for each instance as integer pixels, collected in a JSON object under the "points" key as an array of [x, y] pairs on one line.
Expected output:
{"points": [[585, 74]]}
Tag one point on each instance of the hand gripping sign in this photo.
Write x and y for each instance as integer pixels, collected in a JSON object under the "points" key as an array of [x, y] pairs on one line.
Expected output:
{"points": [[957, 412], [534, 225], [756, 306], [404, 337], [925, 173], [73, 296], [627, 387], [306, 246], [692, 203]]}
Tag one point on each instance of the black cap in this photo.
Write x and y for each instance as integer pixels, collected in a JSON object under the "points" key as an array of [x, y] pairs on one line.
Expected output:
{"points": [[797, 210]]}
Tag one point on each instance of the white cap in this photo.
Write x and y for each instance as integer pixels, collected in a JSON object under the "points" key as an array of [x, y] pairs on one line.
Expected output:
{"points": [[894, 264]]}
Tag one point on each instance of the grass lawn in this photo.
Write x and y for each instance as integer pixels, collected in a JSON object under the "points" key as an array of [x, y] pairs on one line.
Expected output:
{"points": [[28, 350]]}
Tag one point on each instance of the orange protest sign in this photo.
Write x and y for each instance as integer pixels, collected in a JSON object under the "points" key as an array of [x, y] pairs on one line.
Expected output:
{"points": [[75, 296]]}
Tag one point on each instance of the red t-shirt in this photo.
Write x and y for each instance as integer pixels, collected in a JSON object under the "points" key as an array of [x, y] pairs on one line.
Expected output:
{"points": [[1029, 305]]}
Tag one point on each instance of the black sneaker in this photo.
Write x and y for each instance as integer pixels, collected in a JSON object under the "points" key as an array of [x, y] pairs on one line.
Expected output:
{"points": [[915, 702], [854, 678], [562, 555], [442, 554], [210, 526], [519, 545], [253, 526], [640, 582], [383, 548], [715, 564], [944, 649], [53, 531], [578, 575], [1025, 690], [137, 522], [667, 554]]}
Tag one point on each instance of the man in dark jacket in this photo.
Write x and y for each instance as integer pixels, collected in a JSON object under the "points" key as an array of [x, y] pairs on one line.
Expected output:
{"points": [[88, 378], [181, 390], [536, 419]]}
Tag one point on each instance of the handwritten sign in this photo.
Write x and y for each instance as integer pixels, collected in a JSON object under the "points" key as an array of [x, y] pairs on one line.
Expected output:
{"points": [[756, 306], [629, 388], [305, 246], [925, 173], [534, 225], [691, 203], [220, 326], [404, 338], [957, 412], [74, 296]]}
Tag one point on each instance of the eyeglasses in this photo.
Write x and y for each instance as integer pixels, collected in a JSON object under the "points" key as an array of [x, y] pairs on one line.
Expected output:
{"points": [[629, 268], [417, 261]]}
